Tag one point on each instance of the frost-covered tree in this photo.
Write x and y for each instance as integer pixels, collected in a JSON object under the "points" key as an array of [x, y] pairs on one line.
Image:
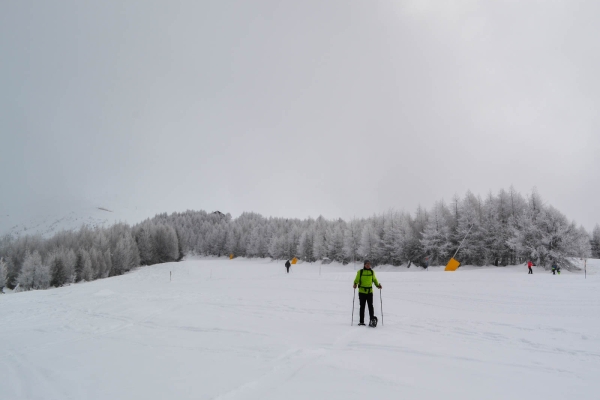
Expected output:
{"points": [[306, 245], [278, 249], [234, 243], [70, 260], [495, 231], [27, 275], [352, 238], [469, 230], [143, 238], [389, 239], [544, 235], [165, 244], [216, 242], [34, 274], [125, 256], [258, 242], [86, 273], [291, 242], [78, 265], [412, 246], [436, 240], [14, 251], [369, 244], [3, 274], [58, 271], [505, 228], [595, 242], [336, 243]]}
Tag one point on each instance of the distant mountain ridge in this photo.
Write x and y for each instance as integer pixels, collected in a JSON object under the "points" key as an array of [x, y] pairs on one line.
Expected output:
{"points": [[48, 225]]}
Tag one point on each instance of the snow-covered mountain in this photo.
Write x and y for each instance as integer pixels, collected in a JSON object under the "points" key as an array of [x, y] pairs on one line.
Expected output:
{"points": [[49, 223]]}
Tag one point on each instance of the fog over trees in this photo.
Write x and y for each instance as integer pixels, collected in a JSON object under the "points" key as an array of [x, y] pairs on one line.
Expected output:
{"points": [[501, 229]]}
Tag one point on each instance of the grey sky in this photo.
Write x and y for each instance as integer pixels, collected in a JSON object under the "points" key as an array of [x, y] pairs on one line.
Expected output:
{"points": [[340, 108]]}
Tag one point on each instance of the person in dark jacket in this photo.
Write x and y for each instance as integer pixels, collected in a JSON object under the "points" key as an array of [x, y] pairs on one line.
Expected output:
{"points": [[364, 281], [287, 266], [554, 268]]}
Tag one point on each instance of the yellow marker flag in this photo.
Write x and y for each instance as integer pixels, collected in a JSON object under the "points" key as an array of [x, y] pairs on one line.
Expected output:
{"points": [[452, 265], [294, 260], [231, 256]]}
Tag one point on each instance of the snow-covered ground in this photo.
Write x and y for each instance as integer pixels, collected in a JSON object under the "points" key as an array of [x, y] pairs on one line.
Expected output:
{"points": [[243, 329]]}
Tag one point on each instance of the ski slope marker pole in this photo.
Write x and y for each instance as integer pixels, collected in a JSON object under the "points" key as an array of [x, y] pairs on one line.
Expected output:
{"points": [[353, 301], [461, 243], [381, 301]]}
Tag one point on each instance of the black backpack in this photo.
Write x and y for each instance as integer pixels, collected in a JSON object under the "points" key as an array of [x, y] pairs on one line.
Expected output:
{"points": [[370, 288]]}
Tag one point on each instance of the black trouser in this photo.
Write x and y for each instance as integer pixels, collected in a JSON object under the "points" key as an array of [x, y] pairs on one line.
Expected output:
{"points": [[288, 269], [366, 298], [530, 271]]}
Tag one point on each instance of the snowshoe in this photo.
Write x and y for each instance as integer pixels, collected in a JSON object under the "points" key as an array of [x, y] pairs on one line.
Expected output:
{"points": [[373, 322]]}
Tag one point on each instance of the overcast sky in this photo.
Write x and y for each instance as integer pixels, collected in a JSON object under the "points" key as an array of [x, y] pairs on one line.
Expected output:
{"points": [[297, 108]]}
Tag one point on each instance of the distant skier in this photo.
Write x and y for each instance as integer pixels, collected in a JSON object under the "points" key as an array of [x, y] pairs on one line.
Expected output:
{"points": [[529, 265], [364, 280], [554, 268], [287, 266]]}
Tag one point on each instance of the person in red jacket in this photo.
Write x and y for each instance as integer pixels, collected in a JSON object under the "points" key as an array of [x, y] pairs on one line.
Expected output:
{"points": [[529, 265]]}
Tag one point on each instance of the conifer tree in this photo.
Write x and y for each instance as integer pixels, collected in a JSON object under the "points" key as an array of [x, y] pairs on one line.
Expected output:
{"points": [[58, 272], [3, 274], [595, 242]]}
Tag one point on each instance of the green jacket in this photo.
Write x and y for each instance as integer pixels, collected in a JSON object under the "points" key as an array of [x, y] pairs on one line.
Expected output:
{"points": [[365, 279]]}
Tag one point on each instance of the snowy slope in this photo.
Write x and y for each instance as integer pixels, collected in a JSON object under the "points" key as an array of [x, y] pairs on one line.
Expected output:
{"points": [[51, 222], [593, 265], [243, 329]]}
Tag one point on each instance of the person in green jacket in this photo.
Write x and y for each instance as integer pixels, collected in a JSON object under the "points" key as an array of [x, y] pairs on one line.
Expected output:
{"points": [[364, 281]]}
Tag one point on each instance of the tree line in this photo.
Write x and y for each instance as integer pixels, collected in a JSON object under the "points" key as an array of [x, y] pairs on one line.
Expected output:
{"points": [[501, 229]]}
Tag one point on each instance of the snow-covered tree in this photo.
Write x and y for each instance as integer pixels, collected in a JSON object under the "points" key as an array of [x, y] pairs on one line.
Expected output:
{"points": [[306, 245], [143, 238], [292, 241], [86, 273], [258, 242], [336, 243], [505, 228], [278, 249], [125, 256], [34, 274], [165, 243], [352, 238], [319, 245], [595, 242], [58, 271], [3, 274], [436, 240], [369, 244], [389, 239]]}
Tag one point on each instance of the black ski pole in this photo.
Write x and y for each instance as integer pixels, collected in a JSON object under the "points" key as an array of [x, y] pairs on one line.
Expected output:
{"points": [[381, 301], [353, 300]]}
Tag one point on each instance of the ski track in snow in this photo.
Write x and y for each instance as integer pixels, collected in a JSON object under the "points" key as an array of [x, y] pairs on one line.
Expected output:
{"points": [[244, 329], [286, 367]]}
